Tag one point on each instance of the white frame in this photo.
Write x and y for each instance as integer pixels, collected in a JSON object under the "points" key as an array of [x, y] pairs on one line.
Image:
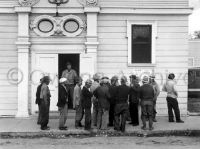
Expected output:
{"points": [[78, 20], [38, 19], [153, 46]]}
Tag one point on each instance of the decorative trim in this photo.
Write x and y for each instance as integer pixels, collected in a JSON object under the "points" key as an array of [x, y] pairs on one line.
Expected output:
{"points": [[88, 2], [58, 26], [28, 2]]}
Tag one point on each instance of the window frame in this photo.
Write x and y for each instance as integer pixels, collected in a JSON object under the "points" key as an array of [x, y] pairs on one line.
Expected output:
{"points": [[153, 42]]}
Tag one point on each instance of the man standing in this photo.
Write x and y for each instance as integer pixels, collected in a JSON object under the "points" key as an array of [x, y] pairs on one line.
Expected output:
{"points": [[134, 100], [147, 96], [121, 107], [77, 105], [45, 103], [63, 103], [86, 96], [94, 86], [172, 102], [70, 74], [113, 92], [103, 96], [157, 92], [38, 101]]}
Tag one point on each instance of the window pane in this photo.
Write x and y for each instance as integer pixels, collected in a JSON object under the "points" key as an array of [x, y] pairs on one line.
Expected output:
{"points": [[141, 43]]}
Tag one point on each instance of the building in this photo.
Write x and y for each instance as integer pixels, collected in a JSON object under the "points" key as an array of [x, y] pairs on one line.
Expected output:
{"points": [[106, 36], [194, 77]]}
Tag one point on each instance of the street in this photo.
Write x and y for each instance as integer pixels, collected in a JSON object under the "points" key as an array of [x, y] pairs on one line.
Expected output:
{"points": [[103, 143]]}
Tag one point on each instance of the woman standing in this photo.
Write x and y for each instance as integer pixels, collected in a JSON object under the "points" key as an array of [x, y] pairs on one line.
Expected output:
{"points": [[45, 103]]}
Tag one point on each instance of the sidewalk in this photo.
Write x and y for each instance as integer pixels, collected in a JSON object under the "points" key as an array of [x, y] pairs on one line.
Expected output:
{"points": [[27, 128]]}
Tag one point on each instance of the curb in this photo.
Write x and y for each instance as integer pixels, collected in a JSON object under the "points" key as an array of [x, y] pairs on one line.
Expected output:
{"points": [[69, 134]]}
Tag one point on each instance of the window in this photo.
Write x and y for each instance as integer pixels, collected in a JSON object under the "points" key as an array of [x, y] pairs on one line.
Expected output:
{"points": [[45, 26], [141, 43]]}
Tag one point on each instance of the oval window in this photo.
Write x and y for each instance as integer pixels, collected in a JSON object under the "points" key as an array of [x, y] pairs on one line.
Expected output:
{"points": [[71, 26], [45, 26]]}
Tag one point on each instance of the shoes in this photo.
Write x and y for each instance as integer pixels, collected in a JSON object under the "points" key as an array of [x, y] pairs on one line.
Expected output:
{"points": [[135, 124], [180, 121], [154, 120], [45, 128], [143, 128], [110, 125], [130, 123], [63, 128], [151, 128], [171, 121]]}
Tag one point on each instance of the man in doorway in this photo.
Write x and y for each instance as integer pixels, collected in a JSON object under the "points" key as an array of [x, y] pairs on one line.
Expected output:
{"points": [[70, 74]]}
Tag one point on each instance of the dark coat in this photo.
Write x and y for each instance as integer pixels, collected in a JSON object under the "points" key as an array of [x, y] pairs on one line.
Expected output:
{"points": [[62, 96], [146, 92], [113, 94], [134, 93], [38, 101], [123, 92], [103, 96], [86, 96]]}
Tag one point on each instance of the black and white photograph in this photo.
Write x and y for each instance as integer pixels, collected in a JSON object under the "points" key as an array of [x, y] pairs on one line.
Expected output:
{"points": [[99, 74]]}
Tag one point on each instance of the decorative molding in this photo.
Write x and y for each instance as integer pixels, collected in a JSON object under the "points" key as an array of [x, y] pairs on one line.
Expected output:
{"points": [[28, 2], [58, 25], [88, 2]]}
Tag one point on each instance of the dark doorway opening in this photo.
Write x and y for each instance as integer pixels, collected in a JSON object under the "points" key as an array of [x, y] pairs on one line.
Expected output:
{"points": [[74, 59]]}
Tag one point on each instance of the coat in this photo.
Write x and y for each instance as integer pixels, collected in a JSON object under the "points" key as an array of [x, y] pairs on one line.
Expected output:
{"points": [[86, 96], [103, 96], [146, 93], [134, 93], [62, 96], [113, 92], [123, 92], [38, 101]]}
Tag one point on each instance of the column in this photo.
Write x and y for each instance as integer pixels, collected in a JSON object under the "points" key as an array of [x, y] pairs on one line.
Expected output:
{"points": [[92, 40], [23, 46]]}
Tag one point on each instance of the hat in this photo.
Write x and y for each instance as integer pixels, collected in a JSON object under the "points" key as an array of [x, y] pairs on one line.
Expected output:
{"points": [[62, 80], [124, 79], [114, 78], [88, 81], [96, 76], [145, 79], [133, 76], [152, 76], [105, 80]]}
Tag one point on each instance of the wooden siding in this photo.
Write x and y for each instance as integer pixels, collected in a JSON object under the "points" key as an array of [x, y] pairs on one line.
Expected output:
{"points": [[8, 60], [171, 51], [145, 3]]}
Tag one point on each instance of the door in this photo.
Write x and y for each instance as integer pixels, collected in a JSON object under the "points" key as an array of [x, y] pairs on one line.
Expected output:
{"points": [[47, 64]]}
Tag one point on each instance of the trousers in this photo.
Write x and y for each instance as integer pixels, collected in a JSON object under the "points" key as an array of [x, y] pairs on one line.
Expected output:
{"points": [[133, 108], [147, 112], [63, 115], [172, 104]]}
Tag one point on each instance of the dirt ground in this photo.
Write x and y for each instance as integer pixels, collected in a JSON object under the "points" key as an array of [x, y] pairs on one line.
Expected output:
{"points": [[103, 143]]}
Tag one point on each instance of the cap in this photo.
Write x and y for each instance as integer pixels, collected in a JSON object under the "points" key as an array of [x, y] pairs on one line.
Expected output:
{"points": [[124, 79], [62, 80], [105, 80], [145, 79], [96, 76], [133, 76], [152, 76]]}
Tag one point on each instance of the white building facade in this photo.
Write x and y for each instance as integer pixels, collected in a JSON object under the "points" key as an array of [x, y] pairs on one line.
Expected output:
{"points": [[111, 37]]}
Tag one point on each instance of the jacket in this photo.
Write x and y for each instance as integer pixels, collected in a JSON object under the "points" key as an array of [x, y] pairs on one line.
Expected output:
{"points": [[134, 93], [123, 92], [77, 96], [147, 93], [86, 96], [113, 93], [62, 96], [37, 101], [170, 88], [103, 96]]}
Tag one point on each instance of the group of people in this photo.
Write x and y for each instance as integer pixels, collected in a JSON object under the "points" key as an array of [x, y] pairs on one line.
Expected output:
{"points": [[106, 102]]}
